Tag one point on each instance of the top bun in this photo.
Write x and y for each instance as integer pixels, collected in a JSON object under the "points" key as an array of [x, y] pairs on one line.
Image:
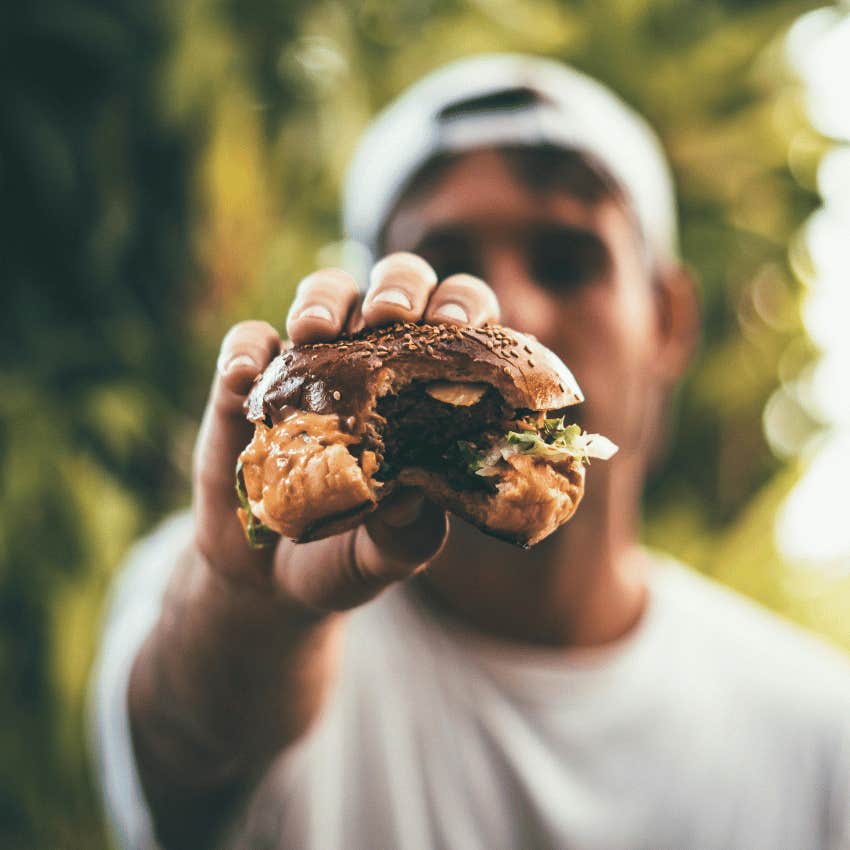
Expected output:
{"points": [[345, 376]]}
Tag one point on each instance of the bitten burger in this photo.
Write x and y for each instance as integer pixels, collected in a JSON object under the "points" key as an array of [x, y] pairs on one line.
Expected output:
{"points": [[476, 417]]}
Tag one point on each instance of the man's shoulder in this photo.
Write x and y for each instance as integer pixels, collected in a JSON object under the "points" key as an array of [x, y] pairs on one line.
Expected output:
{"points": [[753, 647]]}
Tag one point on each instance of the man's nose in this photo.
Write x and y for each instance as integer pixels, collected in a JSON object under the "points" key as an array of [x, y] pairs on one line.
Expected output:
{"points": [[524, 303]]}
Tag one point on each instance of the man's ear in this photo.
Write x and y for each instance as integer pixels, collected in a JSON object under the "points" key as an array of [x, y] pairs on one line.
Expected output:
{"points": [[678, 315]]}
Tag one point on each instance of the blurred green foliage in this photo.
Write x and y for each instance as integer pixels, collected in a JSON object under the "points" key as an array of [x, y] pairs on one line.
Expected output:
{"points": [[167, 169]]}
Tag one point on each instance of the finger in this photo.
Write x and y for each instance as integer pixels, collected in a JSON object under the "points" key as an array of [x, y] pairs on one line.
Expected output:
{"points": [[399, 288], [401, 508], [322, 304], [349, 569], [245, 351], [463, 300], [409, 532]]}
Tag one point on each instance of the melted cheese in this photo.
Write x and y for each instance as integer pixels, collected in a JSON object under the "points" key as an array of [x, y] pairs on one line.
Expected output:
{"points": [[300, 471], [460, 395]]}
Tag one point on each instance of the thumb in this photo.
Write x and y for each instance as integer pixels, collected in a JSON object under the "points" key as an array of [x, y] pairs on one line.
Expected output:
{"points": [[349, 569], [407, 530]]}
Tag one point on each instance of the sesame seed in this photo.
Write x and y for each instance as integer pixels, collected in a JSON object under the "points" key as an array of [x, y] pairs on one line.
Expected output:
{"points": [[337, 396]]}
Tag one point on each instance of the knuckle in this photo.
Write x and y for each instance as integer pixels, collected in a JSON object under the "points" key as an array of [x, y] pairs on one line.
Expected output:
{"points": [[321, 303], [251, 329], [344, 283], [234, 333], [462, 279], [328, 280], [403, 268], [469, 285], [245, 350], [249, 334], [306, 284]]}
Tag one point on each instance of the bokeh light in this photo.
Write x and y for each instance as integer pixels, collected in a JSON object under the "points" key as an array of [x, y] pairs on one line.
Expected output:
{"points": [[812, 528]]}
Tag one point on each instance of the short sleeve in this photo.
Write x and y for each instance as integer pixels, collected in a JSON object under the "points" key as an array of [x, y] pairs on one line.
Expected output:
{"points": [[133, 608]]}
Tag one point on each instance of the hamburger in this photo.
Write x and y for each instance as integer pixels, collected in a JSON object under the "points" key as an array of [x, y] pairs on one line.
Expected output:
{"points": [[476, 417]]}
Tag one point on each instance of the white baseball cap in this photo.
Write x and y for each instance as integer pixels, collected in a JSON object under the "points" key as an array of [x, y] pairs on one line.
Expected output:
{"points": [[510, 99]]}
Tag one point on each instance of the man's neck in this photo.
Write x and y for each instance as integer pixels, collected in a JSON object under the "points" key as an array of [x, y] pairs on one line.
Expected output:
{"points": [[583, 586]]}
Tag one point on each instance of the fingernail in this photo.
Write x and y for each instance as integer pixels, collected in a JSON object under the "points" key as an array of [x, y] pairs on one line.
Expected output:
{"points": [[452, 311], [316, 311], [237, 362], [392, 296]]}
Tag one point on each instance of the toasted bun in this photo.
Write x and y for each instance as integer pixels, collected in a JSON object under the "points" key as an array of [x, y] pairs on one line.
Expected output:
{"points": [[310, 470], [358, 368]]}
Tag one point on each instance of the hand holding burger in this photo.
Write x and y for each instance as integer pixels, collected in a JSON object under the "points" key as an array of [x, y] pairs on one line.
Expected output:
{"points": [[372, 527]]}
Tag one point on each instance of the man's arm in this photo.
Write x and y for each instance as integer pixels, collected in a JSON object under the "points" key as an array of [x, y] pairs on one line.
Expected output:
{"points": [[231, 674], [243, 654]]}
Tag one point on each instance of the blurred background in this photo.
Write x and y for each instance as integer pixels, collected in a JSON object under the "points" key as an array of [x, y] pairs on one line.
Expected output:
{"points": [[167, 169]]}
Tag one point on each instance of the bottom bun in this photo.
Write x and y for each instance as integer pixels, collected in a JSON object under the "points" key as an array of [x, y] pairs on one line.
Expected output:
{"points": [[532, 499], [302, 483]]}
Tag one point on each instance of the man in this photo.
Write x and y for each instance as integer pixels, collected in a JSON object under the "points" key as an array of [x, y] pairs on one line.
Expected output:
{"points": [[584, 694]]}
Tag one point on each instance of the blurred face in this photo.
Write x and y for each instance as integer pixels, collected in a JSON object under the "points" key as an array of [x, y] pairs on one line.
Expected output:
{"points": [[572, 273]]}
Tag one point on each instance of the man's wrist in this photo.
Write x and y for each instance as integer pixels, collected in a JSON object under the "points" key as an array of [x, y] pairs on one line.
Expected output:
{"points": [[191, 675]]}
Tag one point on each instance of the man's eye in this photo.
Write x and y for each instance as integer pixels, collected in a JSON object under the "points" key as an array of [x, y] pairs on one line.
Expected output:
{"points": [[564, 261], [451, 256], [455, 265]]}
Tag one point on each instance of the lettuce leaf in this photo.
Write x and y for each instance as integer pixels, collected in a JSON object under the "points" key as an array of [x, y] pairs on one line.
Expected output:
{"points": [[557, 441], [259, 535], [554, 441], [470, 457]]}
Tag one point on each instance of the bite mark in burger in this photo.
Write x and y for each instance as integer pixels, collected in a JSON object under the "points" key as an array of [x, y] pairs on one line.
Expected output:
{"points": [[475, 417]]}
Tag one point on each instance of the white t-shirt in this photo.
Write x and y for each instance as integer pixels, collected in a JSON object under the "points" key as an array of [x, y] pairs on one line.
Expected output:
{"points": [[713, 726]]}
